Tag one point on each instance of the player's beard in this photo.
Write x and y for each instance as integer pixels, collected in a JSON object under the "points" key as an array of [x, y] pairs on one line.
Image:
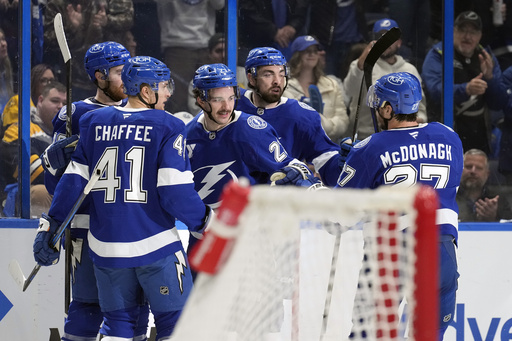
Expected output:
{"points": [[271, 97], [115, 93]]}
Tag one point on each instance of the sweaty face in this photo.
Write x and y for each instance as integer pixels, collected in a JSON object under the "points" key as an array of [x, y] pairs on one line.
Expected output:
{"points": [[466, 39], [475, 172], [269, 82], [115, 84], [222, 102]]}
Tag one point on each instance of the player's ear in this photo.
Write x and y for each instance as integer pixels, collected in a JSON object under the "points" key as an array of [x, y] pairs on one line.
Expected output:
{"points": [[388, 110], [99, 76]]}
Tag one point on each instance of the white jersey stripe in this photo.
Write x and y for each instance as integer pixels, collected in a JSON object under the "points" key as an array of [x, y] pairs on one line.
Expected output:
{"points": [[133, 249], [171, 176], [447, 216], [79, 169], [320, 160]]}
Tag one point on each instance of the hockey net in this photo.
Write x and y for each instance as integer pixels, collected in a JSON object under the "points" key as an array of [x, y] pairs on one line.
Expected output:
{"points": [[317, 266]]}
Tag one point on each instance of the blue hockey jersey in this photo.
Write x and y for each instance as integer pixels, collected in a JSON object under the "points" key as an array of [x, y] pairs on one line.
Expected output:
{"points": [[146, 183], [429, 154], [81, 224], [301, 133], [246, 147]]}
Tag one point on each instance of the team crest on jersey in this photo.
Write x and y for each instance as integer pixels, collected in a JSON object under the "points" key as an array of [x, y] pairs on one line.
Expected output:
{"points": [[256, 122], [363, 143], [306, 106], [63, 111]]}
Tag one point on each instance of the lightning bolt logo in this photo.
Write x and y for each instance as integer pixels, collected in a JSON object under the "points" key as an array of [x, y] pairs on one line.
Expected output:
{"points": [[180, 265], [212, 178], [76, 255]]}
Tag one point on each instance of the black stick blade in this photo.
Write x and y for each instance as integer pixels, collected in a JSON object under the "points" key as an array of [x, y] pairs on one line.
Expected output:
{"points": [[377, 50]]}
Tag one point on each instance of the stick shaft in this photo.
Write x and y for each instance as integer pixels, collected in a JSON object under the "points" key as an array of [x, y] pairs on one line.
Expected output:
{"points": [[60, 231]]}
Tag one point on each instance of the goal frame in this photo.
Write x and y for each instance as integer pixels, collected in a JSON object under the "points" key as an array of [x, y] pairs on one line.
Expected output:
{"points": [[424, 203]]}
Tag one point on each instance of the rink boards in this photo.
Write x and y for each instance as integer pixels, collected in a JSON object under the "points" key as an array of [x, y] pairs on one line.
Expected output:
{"points": [[483, 302]]}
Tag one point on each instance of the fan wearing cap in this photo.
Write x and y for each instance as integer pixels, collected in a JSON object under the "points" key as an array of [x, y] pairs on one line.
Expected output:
{"points": [[389, 62], [306, 69], [216, 55], [476, 88]]}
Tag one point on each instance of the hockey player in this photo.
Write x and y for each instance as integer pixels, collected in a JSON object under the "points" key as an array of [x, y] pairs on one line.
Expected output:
{"points": [[405, 153], [103, 63], [226, 144], [297, 124], [146, 184]]}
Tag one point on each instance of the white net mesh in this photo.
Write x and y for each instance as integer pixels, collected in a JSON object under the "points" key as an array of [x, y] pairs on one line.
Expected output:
{"points": [[279, 282]]}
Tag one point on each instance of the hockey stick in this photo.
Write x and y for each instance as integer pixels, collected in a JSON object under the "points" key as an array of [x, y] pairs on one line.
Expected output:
{"points": [[66, 55], [381, 45], [315, 98], [14, 267]]}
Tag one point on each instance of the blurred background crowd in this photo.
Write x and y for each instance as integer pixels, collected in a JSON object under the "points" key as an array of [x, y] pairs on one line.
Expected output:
{"points": [[325, 43]]}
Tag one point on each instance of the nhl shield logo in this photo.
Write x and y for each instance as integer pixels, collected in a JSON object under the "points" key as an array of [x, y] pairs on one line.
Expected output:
{"points": [[164, 290], [260, 111]]}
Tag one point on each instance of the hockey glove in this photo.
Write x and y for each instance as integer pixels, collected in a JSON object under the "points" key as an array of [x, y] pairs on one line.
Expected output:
{"points": [[206, 222], [296, 174], [44, 254], [56, 157], [346, 146]]}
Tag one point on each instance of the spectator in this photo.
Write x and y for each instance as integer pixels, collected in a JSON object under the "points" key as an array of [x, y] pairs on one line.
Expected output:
{"points": [[389, 62], [476, 200], [216, 55], [270, 23], [505, 150], [338, 25], [476, 88], [6, 78], [130, 43], [40, 76], [413, 17], [48, 105], [307, 69], [85, 23], [185, 28]]}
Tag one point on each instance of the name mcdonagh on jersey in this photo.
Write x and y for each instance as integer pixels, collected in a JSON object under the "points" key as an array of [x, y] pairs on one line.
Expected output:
{"points": [[439, 151], [123, 132]]}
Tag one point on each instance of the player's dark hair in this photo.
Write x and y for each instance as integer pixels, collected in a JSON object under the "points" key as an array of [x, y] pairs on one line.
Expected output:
{"points": [[406, 117]]}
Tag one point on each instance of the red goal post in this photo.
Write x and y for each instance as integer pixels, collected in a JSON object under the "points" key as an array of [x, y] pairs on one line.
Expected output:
{"points": [[273, 273]]}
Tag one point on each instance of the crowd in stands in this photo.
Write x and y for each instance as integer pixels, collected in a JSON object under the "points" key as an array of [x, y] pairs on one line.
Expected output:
{"points": [[324, 42]]}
